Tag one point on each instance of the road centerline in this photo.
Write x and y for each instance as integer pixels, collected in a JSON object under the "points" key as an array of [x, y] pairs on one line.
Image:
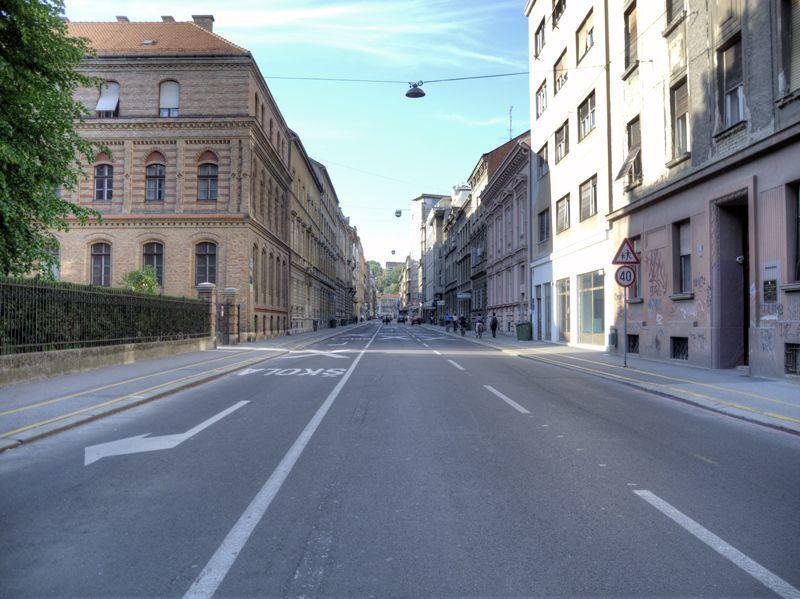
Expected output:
{"points": [[506, 399], [753, 568], [224, 557], [456, 365]]}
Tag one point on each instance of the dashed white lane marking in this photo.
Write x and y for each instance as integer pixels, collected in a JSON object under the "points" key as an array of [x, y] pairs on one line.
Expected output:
{"points": [[438, 353], [426, 345], [754, 569], [506, 399], [457, 365], [220, 563]]}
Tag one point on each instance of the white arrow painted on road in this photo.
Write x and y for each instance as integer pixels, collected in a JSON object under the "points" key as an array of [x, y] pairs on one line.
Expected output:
{"points": [[143, 443]]}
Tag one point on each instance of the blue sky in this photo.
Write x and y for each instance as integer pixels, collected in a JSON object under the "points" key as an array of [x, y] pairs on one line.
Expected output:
{"points": [[381, 148]]}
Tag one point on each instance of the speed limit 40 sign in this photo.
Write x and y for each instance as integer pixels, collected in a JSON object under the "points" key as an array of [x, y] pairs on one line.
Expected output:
{"points": [[625, 276]]}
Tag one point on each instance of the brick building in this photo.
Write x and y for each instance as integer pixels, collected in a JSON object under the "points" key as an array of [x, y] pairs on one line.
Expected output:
{"points": [[197, 179]]}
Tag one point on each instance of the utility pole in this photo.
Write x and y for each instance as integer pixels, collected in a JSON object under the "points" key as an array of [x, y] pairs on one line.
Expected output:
{"points": [[510, 123]]}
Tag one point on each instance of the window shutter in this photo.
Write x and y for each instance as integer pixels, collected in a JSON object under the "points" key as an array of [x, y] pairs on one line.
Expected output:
{"points": [[109, 97], [170, 94], [794, 73], [681, 99], [685, 239]]}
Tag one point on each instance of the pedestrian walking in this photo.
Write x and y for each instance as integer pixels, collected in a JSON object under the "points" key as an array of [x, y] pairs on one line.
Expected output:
{"points": [[447, 321], [479, 326], [493, 324], [462, 324]]}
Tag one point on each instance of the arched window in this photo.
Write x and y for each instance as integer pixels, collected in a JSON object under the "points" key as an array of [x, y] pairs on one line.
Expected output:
{"points": [[153, 255], [205, 263], [103, 182], [262, 274], [108, 103], [101, 264], [254, 272], [169, 98], [207, 182], [154, 178], [271, 279]]}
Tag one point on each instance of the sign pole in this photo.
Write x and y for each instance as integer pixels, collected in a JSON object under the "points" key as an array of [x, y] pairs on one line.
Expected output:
{"points": [[625, 330]]}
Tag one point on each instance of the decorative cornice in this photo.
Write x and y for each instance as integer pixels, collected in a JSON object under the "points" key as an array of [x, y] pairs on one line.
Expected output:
{"points": [[161, 124]]}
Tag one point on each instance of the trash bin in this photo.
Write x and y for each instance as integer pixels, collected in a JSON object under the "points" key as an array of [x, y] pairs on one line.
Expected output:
{"points": [[524, 331]]}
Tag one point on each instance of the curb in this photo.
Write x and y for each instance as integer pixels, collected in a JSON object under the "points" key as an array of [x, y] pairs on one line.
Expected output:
{"points": [[11, 443], [639, 386]]}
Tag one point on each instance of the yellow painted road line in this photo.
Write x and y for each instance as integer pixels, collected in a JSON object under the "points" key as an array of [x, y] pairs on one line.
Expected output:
{"points": [[122, 398], [48, 402], [677, 390], [674, 379]]}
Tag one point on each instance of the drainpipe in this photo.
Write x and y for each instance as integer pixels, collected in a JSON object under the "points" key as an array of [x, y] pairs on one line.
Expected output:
{"points": [[606, 44]]}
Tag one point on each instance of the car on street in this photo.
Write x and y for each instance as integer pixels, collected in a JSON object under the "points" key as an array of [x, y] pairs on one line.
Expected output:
{"points": [[416, 320], [401, 320]]}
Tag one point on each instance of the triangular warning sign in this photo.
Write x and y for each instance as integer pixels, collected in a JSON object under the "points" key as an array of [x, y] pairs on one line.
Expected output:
{"points": [[625, 254]]}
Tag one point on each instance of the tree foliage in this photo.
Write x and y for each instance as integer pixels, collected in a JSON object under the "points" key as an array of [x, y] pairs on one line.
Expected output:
{"points": [[39, 146], [141, 281]]}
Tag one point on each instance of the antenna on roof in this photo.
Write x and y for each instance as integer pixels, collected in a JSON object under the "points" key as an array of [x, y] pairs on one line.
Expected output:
{"points": [[510, 124]]}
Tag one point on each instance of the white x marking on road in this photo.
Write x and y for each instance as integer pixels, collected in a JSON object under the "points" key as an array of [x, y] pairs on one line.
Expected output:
{"points": [[317, 352]]}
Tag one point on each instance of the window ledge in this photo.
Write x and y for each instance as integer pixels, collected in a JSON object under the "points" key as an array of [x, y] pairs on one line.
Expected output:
{"points": [[729, 131], [788, 98], [791, 287], [636, 300], [676, 20], [632, 68], [633, 185], [678, 160], [681, 297]]}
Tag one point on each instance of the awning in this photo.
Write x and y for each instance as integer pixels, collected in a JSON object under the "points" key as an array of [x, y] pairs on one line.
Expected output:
{"points": [[628, 164], [109, 97]]}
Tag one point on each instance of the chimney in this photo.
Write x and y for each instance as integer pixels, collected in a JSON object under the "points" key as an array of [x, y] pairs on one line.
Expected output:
{"points": [[168, 19], [204, 21]]}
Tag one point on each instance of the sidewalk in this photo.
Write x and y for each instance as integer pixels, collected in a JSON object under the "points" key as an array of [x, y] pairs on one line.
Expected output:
{"points": [[33, 409], [773, 403]]}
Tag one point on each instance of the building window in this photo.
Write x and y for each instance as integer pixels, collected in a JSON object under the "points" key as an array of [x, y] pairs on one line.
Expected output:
{"points": [[559, 6], [560, 73], [103, 182], [153, 255], [538, 40], [679, 103], [674, 9], [562, 214], [154, 178], [541, 162], [636, 288], [205, 263], [541, 99], [101, 264], [794, 45], [169, 99], [586, 120], [631, 37], [562, 306], [108, 103], [207, 182], [632, 166], [633, 344], [679, 348], [683, 237], [732, 85], [591, 308], [544, 225], [728, 10], [588, 198], [793, 216], [562, 141], [585, 37]]}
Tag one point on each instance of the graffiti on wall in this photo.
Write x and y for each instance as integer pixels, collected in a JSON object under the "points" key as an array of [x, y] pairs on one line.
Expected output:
{"points": [[656, 273]]}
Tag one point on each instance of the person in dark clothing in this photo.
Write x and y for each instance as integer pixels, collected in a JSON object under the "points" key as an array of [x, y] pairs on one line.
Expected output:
{"points": [[493, 325], [462, 324]]}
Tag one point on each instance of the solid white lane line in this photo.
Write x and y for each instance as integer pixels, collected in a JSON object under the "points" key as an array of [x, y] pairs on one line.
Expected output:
{"points": [[754, 569], [457, 365], [220, 563], [438, 353], [506, 399]]}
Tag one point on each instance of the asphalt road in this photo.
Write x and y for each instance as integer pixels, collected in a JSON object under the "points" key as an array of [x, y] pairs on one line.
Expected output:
{"points": [[392, 461]]}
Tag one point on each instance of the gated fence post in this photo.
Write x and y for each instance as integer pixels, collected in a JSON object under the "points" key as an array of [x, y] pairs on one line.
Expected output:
{"points": [[231, 315], [208, 292]]}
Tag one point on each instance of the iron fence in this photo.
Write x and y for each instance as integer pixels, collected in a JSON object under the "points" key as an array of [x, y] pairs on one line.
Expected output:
{"points": [[38, 315]]}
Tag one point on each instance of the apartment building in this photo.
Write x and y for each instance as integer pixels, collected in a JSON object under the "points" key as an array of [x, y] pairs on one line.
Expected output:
{"points": [[706, 160], [197, 182], [570, 175], [432, 266], [457, 231]]}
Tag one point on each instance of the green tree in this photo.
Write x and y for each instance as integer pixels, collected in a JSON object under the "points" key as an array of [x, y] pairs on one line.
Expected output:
{"points": [[141, 281], [39, 146], [375, 268]]}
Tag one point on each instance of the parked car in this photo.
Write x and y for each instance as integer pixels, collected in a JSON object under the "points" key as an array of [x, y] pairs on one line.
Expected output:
{"points": [[416, 320], [401, 319]]}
